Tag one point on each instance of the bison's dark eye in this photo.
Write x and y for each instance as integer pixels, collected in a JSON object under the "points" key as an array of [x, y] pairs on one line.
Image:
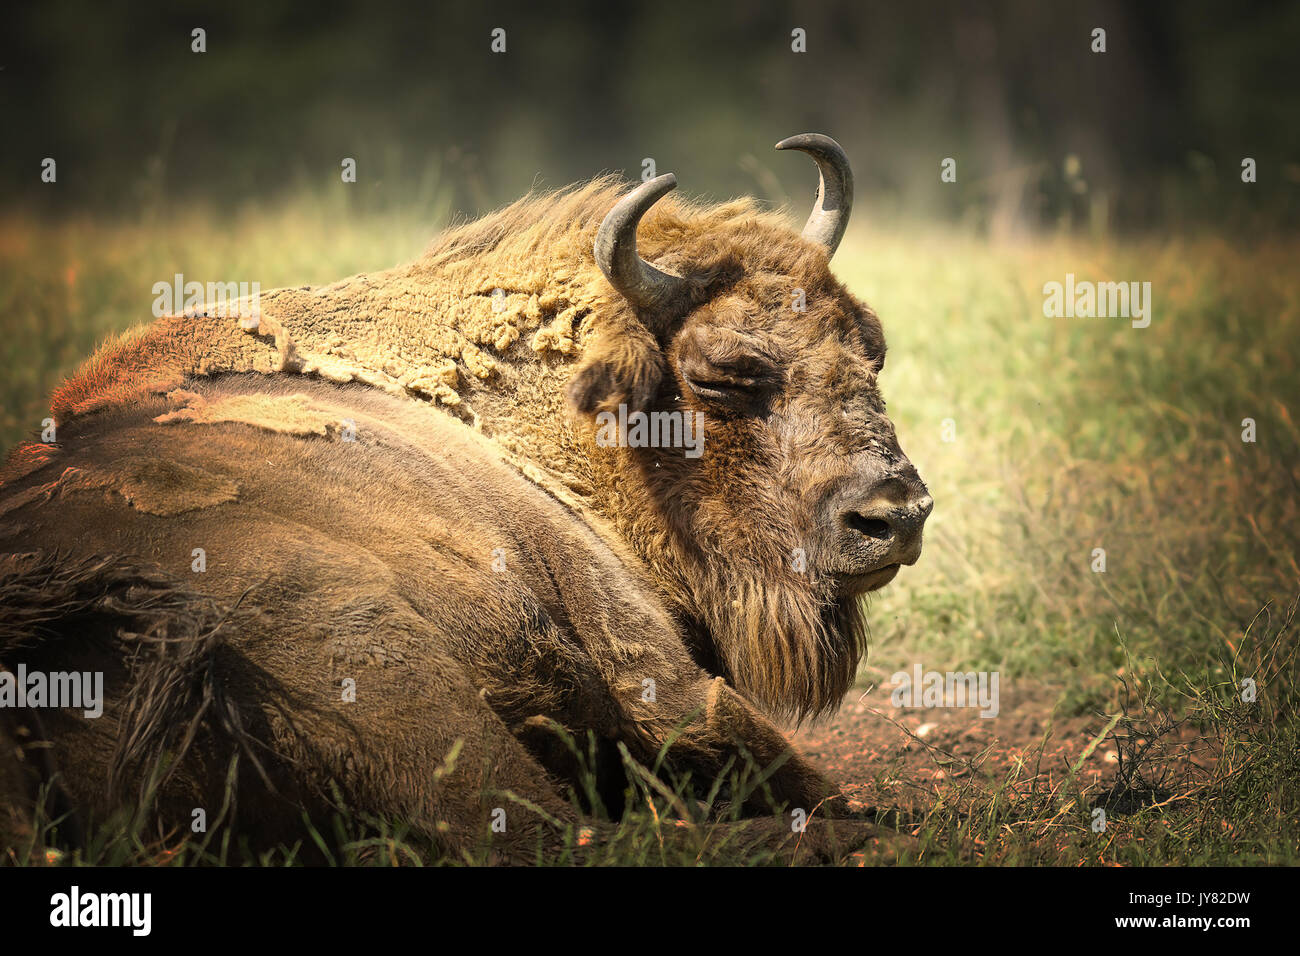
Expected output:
{"points": [[734, 387], [717, 391], [725, 367]]}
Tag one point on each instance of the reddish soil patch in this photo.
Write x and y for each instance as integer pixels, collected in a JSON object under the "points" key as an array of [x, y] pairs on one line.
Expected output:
{"points": [[900, 759]]}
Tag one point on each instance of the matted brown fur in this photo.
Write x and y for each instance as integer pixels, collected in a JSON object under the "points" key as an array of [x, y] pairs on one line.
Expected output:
{"points": [[355, 462], [491, 322], [373, 561]]}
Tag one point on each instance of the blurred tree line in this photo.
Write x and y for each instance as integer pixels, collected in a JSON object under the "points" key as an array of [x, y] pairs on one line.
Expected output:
{"points": [[1046, 133]]}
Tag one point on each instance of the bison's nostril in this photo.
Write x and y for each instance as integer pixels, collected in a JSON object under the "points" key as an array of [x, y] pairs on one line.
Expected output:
{"points": [[871, 527]]}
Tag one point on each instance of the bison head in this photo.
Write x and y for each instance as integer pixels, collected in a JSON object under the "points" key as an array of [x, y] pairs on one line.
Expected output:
{"points": [[802, 499]]}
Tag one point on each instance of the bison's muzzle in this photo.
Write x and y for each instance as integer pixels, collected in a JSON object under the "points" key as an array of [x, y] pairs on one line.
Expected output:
{"points": [[877, 528]]}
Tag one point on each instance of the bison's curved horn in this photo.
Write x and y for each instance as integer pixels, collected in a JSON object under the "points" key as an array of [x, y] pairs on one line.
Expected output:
{"points": [[830, 216], [640, 283]]}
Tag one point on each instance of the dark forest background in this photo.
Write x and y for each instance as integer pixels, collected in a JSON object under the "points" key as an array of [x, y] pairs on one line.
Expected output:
{"points": [[1046, 134]]}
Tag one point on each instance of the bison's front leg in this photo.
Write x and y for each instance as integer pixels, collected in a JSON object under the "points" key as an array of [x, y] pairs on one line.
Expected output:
{"points": [[730, 718], [710, 725]]}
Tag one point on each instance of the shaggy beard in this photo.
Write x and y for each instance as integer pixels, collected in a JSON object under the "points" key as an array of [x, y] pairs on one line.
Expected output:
{"points": [[784, 639]]}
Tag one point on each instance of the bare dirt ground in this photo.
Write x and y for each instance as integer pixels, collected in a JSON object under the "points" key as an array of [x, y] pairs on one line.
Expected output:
{"points": [[908, 764]]}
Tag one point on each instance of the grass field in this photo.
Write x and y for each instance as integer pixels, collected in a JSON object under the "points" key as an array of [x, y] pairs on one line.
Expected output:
{"points": [[1068, 435]]}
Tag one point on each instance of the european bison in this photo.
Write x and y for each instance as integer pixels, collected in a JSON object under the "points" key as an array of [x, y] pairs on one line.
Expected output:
{"points": [[380, 539]]}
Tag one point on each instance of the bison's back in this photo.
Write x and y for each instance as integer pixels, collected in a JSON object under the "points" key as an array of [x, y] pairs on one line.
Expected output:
{"points": [[290, 542]]}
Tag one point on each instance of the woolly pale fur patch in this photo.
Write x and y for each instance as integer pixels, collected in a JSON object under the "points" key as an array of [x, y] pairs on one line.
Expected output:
{"points": [[154, 486], [285, 414]]}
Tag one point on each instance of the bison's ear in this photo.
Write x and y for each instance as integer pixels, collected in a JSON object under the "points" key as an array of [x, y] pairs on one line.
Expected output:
{"points": [[624, 367]]}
